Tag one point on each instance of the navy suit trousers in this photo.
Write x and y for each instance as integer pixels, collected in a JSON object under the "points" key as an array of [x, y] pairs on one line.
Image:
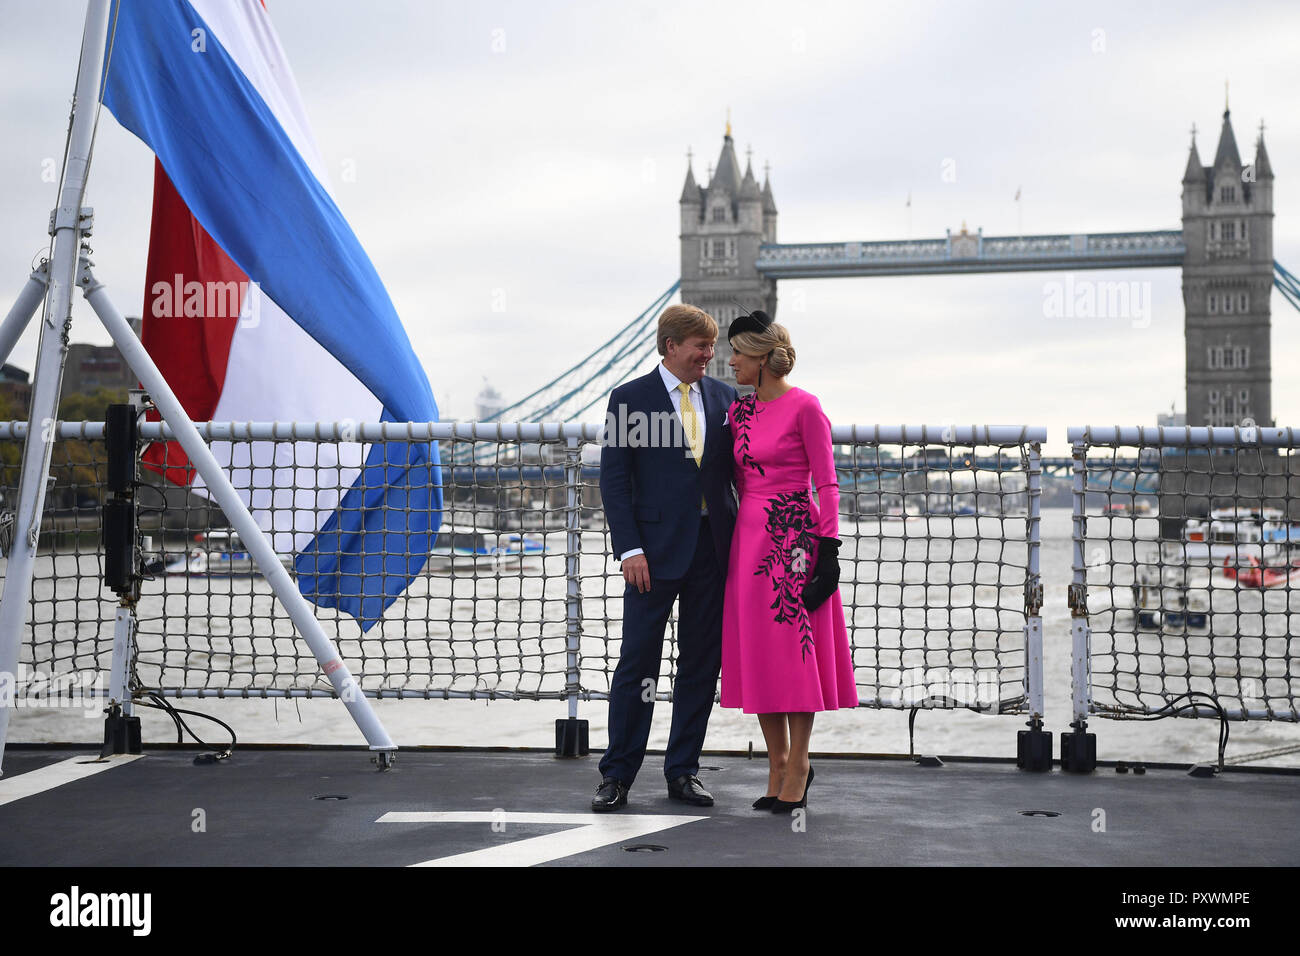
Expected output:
{"points": [[699, 658]]}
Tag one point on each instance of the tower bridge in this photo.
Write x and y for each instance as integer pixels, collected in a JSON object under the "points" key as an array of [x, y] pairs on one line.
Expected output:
{"points": [[730, 254], [972, 252]]}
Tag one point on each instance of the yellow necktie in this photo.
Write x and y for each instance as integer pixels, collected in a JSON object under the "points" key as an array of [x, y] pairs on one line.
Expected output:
{"points": [[692, 426], [690, 423]]}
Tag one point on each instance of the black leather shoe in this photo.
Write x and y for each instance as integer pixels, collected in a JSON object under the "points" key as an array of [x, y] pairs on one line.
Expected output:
{"points": [[689, 790], [764, 803], [610, 795]]}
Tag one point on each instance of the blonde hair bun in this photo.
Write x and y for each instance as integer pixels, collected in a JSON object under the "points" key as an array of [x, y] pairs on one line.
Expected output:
{"points": [[773, 343]]}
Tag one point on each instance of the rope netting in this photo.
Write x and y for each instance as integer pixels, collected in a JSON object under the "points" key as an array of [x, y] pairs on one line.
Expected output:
{"points": [[1187, 542], [939, 560]]}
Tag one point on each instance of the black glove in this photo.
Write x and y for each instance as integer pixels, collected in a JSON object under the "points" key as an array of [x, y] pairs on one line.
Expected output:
{"points": [[825, 578]]}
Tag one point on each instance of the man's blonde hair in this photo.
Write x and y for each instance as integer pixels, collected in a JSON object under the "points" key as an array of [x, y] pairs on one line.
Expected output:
{"points": [[682, 322]]}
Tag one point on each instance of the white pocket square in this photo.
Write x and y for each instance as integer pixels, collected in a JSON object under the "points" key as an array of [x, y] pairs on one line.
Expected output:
{"points": [[724, 418]]}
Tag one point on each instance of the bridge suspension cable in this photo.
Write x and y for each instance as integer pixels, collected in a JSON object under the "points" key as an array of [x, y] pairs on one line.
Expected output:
{"points": [[1287, 284], [571, 395]]}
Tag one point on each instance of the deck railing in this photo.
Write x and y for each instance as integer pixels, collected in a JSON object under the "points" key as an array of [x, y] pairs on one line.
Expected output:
{"points": [[521, 598], [1183, 596], [1188, 608]]}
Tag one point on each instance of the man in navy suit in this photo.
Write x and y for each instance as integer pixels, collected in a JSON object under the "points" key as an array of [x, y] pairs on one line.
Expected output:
{"points": [[666, 484]]}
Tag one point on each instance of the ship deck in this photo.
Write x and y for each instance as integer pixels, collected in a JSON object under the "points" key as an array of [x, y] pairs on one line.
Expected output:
{"points": [[330, 806]]}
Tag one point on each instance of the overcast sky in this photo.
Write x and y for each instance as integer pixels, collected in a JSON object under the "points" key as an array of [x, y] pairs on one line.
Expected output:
{"points": [[539, 149]]}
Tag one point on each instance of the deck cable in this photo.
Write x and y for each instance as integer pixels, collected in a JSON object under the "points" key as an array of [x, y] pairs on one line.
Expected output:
{"points": [[182, 728], [1169, 710]]}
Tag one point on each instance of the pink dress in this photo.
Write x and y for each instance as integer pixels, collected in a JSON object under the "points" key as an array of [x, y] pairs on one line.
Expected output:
{"points": [[776, 656]]}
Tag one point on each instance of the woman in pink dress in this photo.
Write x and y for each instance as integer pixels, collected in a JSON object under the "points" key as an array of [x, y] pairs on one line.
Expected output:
{"points": [[785, 650]]}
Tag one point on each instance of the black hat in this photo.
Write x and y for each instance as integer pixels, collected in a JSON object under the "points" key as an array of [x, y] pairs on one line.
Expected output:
{"points": [[756, 321]]}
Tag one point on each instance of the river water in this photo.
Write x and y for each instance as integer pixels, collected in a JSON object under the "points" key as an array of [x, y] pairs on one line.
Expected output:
{"points": [[916, 599]]}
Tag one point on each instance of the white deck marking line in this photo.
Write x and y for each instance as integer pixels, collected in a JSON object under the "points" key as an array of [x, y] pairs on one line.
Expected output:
{"points": [[591, 831], [57, 774]]}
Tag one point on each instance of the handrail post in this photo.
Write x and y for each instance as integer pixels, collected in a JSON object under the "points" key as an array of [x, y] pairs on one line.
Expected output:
{"points": [[1079, 749], [1034, 746], [571, 734]]}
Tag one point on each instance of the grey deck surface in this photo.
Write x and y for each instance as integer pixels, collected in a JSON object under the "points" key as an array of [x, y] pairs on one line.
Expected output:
{"points": [[260, 810]]}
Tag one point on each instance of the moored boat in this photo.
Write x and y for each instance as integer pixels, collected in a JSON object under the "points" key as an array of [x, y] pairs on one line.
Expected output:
{"points": [[1257, 575], [216, 553], [464, 547]]}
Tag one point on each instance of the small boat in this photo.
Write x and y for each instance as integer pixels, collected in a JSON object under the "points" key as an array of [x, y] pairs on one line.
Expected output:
{"points": [[940, 505], [463, 546], [1277, 532], [216, 554], [1256, 575], [1173, 609], [1172, 597], [1235, 534]]}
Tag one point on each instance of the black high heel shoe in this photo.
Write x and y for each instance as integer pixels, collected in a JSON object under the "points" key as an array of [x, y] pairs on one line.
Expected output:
{"points": [[786, 806], [765, 802]]}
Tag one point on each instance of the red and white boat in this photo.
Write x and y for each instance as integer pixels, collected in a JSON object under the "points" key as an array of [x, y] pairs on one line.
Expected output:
{"points": [[1256, 575]]}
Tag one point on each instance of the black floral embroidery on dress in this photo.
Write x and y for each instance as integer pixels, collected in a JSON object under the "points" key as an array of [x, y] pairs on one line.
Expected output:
{"points": [[790, 526], [746, 410]]}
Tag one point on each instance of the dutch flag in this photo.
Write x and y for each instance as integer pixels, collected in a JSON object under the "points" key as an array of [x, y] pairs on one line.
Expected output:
{"points": [[242, 208]]}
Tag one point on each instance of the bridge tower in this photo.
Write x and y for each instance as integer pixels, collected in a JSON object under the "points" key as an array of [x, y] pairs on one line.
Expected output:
{"points": [[1227, 281], [723, 224]]}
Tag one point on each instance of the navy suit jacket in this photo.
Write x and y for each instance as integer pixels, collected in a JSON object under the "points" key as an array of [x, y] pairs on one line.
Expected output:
{"points": [[650, 484]]}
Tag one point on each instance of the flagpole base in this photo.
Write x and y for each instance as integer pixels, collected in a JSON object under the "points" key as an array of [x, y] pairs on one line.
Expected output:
{"points": [[571, 737], [121, 734]]}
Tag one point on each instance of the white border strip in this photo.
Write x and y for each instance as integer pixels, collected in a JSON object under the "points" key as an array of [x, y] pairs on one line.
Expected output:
{"points": [[590, 831], [57, 774]]}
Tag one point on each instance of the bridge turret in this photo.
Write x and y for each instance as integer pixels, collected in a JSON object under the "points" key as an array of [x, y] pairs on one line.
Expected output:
{"points": [[769, 208], [749, 206], [1263, 168], [720, 239], [1263, 171], [724, 186], [1226, 157], [692, 201], [1227, 279], [1194, 180]]}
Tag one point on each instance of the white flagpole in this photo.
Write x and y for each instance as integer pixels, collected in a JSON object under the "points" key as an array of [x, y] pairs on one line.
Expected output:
{"points": [[233, 506], [67, 227]]}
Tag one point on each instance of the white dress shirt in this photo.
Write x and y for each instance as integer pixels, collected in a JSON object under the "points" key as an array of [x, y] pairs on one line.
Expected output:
{"points": [[671, 382]]}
